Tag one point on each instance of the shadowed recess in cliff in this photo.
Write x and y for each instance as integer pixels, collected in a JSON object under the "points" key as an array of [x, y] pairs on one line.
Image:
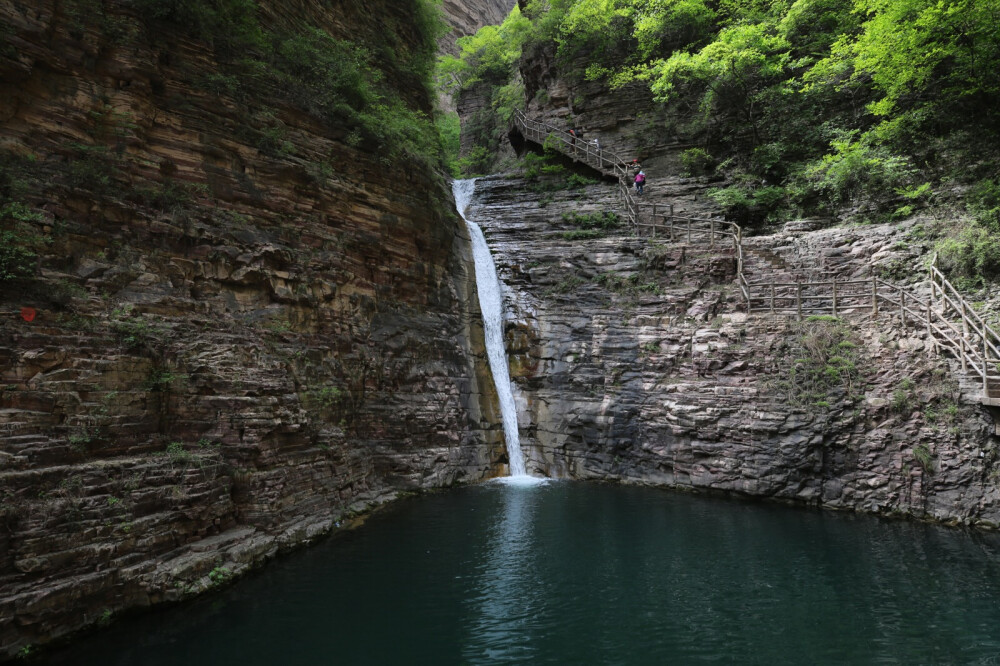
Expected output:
{"points": [[491, 303]]}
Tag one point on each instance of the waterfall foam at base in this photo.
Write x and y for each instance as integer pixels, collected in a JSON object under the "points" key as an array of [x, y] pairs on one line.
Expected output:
{"points": [[491, 304]]}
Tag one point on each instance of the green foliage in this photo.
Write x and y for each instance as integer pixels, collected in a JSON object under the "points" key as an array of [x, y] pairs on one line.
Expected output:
{"points": [[546, 175], [630, 286], [17, 260], [230, 25], [566, 285], [350, 83], [751, 206], [838, 102], [857, 172], [903, 398], [825, 364], [132, 330], [160, 380], [922, 454], [696, 162], [983, 202], [327, 397], [340, 82], [909, 46], [95, 168], [220, 576], [20, 243], [490, 55], [449, 128], [971, 256], [730, 73], [605, 221], [476, 163], [176, 450]]}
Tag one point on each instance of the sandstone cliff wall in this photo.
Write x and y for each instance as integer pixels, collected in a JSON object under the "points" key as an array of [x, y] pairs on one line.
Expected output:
{"points": [[247, 330]]}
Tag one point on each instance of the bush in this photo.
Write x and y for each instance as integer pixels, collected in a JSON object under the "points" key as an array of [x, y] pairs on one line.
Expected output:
{"points": [[922, 454], [17, 261], [751, 206], [971, 257], [697, 162], [826, 363], [983, 201], [857, 173], [449, 128]]}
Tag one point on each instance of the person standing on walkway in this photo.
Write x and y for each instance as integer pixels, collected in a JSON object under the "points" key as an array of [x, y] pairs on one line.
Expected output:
{"points": [[640, 181]]}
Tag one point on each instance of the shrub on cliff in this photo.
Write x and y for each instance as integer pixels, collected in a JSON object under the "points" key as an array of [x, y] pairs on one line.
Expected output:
{"points": [[17, 261], [19, 242]]}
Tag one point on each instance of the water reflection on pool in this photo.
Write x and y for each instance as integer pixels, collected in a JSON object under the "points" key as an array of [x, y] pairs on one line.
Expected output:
{"points": [[574, 573]]}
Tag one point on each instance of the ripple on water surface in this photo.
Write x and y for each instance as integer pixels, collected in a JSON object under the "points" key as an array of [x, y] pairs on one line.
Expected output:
{"points": [[566, 572]]}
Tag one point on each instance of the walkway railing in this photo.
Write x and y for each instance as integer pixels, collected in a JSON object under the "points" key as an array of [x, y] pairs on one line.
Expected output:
{"points": [[644, 218], [969, 339]]}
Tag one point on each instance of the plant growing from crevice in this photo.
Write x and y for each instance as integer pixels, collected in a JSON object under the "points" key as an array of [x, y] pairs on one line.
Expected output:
{"points": [[823, 363], [922, 454]]}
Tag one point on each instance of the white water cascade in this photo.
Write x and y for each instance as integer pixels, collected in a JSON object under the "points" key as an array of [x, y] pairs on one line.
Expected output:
{"points": [[491, 303]]}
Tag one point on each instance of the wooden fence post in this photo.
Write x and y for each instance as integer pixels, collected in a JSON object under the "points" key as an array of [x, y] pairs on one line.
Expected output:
{"points": [[930, 333], [654, 220], [711, 242], [798, 300], [874, 297], [834, 295], [772, 297], [986, 383], [961, 352], [902, 307]]}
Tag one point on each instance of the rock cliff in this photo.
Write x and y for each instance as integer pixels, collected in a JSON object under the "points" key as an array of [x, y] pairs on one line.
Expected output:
{"points": [[243, 327], [465, 18], [633, 363]]}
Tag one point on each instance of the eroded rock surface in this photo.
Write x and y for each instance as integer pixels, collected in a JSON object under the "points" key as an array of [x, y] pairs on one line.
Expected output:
{"points": [[633, 362], [247, 330], [466, 17]]}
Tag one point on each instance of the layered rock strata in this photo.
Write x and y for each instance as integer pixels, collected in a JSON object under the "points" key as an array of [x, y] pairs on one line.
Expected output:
{"points": [[465, 18], [243, 330], [633, 363]]}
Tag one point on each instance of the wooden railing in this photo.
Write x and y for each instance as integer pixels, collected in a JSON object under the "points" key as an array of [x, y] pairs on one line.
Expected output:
{"points": [[973, 342], [643, 218], [982, 355]]}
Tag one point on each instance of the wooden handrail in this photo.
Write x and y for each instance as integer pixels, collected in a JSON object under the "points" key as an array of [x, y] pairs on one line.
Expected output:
{"points": [[798, 298]]}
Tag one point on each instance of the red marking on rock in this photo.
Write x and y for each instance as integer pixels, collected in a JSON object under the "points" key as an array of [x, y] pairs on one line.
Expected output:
{"points": [[28, 314]]}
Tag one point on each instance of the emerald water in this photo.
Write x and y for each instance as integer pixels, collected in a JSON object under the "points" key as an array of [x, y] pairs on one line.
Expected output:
{"points": [[574, 573]]}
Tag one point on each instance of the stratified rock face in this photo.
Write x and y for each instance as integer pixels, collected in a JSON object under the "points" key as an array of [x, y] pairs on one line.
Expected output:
{"points": [[243, 330], [466, 17], [633, 362]]}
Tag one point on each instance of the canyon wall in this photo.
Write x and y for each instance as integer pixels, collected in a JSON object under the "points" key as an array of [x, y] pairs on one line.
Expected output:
{"points": [[465, 18], [634, 362], [242, 326]]}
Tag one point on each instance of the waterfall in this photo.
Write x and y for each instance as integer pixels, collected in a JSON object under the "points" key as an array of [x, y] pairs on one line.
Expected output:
{"points": [[491, 303]]}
